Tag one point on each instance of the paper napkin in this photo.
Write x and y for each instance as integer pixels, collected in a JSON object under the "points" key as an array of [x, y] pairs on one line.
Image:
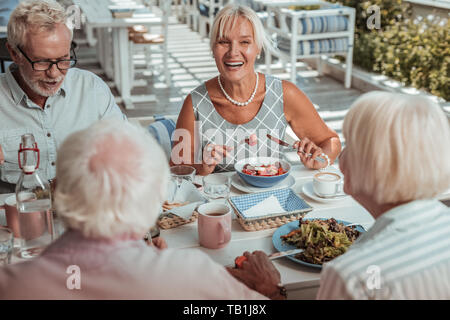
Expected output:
{"points": [[186, 193], [270, 205]]}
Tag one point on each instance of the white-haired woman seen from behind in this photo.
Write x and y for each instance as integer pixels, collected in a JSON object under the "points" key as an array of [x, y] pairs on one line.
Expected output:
{"points": [[105, 189], [396, 162], [112, 180]]}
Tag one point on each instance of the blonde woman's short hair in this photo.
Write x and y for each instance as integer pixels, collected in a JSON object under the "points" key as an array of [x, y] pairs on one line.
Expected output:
{"points": [[111, 180], [34, 15], [226, 19], [397, 147]]}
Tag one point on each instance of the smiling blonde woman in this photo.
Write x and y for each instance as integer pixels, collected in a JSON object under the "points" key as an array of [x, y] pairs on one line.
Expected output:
{"points": [[241, 102]]}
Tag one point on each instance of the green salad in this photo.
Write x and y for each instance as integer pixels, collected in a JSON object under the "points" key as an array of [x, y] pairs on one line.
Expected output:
{"points": [[322, 240]]}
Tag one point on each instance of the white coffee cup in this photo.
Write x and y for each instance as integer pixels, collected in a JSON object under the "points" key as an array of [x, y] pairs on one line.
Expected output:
{"points": [[327, 184]]}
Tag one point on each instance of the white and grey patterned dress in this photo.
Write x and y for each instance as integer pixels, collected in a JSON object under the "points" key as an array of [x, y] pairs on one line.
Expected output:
{"points": [[212, 128]]}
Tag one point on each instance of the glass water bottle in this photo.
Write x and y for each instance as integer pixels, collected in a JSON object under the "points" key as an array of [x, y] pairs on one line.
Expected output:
{"points": [[33, 196]]}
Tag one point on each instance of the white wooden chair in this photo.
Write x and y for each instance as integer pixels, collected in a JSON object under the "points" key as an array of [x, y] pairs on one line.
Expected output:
{"points": [[311, 33], [149, 43]]}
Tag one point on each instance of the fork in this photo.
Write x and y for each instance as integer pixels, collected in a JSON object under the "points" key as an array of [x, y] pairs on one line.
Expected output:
{"points": [[356, 224], [251, 141]]}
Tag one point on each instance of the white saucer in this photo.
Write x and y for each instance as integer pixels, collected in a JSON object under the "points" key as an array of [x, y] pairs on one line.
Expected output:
{"points": [[241, 185], [308, 190]]}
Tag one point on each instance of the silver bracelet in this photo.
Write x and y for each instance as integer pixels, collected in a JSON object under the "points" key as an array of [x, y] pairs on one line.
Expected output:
{"points": [[324, 155]]}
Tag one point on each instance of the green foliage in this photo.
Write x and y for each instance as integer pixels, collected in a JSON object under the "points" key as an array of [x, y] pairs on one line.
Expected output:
{"points": [[391, 11], [415, 53]]}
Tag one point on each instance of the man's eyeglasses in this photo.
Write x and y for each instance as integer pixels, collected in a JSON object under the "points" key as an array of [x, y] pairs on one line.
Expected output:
{"points": [[44, 65]]}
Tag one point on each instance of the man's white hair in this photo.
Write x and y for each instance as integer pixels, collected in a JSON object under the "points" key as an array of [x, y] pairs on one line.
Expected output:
{"points": [[34, 16], [111, 180], [226, 19], [397, 147]]}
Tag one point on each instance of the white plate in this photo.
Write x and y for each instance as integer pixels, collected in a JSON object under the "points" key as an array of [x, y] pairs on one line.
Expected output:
{"points": [[308, 190], [240, 184]]}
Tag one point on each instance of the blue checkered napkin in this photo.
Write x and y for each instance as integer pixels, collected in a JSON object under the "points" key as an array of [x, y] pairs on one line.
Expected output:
{"points": [[287, 198]]}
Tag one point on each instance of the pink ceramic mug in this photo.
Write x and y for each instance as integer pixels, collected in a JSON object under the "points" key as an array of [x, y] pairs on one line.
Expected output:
{"points": [[214, 225]]}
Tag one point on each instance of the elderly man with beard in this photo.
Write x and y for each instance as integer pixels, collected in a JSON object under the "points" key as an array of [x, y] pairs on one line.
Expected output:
{"points": [[41, 93]]}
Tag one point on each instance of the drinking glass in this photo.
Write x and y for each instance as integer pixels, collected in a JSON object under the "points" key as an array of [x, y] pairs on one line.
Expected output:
{"points": [[6, 245], [35, 224], [33, 200], [180, 173], [217, 186]]}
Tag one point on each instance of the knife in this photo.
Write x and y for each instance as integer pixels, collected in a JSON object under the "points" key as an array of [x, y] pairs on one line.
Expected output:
{"points": [[285, 144], [281, 254], [240, 260]]}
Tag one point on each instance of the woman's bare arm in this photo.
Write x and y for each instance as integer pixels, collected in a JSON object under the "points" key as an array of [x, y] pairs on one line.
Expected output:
{"points": [[308, 125]]}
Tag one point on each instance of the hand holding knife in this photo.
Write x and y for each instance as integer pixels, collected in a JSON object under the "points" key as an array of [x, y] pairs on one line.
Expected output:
{"points": [[285, 144], [240, 260]]}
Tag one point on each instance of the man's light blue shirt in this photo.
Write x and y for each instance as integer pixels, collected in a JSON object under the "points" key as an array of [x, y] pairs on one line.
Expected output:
{"points": [[82, 100]]}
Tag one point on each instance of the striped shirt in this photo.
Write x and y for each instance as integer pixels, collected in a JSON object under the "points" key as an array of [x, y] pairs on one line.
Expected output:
{"points": [[405, 255]]}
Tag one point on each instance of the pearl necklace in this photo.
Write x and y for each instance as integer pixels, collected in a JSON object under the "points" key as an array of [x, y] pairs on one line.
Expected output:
{"points": [[241, 104]]}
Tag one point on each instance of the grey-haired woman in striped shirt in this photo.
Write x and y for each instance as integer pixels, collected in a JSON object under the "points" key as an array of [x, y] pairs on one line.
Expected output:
{"points": [[396, 163]]}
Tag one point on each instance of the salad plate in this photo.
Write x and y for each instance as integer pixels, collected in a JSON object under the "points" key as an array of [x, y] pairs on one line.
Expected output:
{"points": [[262, 172], [281, 246], [238, 183]]}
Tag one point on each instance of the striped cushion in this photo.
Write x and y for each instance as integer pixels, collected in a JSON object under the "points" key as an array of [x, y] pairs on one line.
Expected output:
{"points": [[315, 46], [320, 24], [162, 129]]}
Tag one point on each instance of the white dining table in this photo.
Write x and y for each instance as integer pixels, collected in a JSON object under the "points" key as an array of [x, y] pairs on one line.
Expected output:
{"points": [[301, 282], [113, 49]]}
